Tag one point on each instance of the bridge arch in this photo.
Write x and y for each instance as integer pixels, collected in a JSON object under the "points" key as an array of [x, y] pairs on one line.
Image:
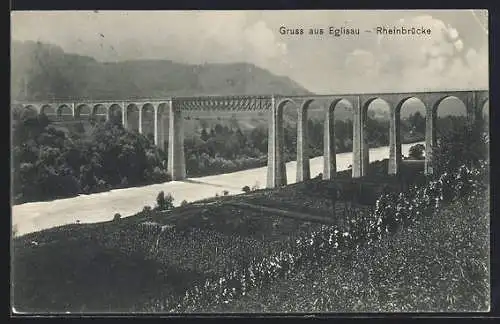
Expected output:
{"points": [[276, 153], [28, 111], [449, 113], [303, 150], [337, 134], [162, 125], [100, 112], [147, 120], [412, 122], [325, 135], [16, 111], [83, 111], [375, 123], [132, 119], [115, 114], [48, 110], [445, 125], [64, 112], [282, 103]]}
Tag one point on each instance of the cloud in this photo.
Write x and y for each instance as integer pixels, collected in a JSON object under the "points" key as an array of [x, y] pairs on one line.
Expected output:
{"points": [[409, 63], [446, 59], [262, 42], [362, 63]]}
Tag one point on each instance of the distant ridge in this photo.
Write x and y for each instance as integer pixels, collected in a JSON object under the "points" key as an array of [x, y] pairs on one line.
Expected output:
{"points": [[42, 71]]}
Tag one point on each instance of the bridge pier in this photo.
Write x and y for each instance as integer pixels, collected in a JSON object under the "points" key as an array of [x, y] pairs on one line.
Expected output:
{"points": [[140, 119], [276, 168], [124, 116], [365, 147], [358, 142], [430, 138], [303, 165], [329, 150], [176, 160], [394, 140], [155, 125], [472, 106], [161, 129], [472, 99]]}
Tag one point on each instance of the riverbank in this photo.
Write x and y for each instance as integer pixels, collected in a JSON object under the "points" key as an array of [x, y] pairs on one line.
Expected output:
{"points": [[99, 207]]}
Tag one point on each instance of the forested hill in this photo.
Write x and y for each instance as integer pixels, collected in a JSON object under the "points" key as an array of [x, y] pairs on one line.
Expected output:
{"points": [[43, 71]]}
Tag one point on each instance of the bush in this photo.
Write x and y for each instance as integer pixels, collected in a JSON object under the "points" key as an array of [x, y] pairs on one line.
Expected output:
{"points": [[461, 147], [160, 200], [416, 152], [246, 189], [393, 211], [169, 201], [117, 217], [184, 203], [164, 202], [225, 192], [49, 163]]}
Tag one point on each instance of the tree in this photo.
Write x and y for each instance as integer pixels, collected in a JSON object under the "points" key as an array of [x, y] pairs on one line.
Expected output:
{"points": [[164, 202], [417, 122], [459, 147], [204, 135], [416, 152], [48, 163]]}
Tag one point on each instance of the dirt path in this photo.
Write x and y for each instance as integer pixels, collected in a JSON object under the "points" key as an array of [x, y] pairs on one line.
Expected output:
{"points": [[282, 212]]}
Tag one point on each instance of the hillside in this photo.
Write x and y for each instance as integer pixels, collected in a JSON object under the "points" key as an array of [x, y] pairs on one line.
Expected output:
{"points": [[43, 71]]}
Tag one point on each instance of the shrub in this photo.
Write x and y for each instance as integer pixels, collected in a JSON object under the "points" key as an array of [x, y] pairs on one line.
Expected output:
{"points": [[159, 175], [160, 200], [146, 209], [164, 202], [246, 189], [416, 152], [184, 203], [117, 216], [462, 147], [101, 184], [225, 192], [169, 201]]}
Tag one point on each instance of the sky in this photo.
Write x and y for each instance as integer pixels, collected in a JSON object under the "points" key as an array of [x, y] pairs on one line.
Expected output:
{"points": [[454, 56]]}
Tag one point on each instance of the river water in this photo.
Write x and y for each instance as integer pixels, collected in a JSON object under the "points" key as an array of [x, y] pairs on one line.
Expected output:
{"points": [[98, 207]]}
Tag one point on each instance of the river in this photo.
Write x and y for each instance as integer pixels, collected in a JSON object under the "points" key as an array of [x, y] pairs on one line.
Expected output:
{"points": [[98, 207]]}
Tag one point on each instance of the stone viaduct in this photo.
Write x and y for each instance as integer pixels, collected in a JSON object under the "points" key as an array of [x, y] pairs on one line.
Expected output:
{"points": [[173, 108]]}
